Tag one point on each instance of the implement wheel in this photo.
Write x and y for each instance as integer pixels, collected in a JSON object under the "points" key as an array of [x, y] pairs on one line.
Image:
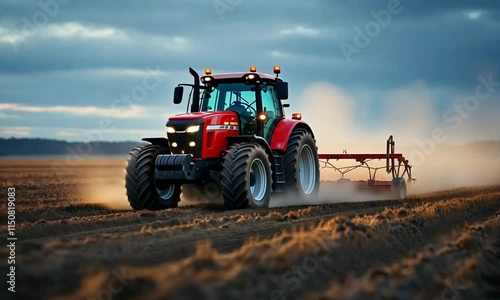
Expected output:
{"points": [[398, 188]]}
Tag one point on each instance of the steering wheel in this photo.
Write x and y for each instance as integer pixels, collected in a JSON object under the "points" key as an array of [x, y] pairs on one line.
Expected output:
{"points": [[241, 108], [249, 108], [244, 102]]}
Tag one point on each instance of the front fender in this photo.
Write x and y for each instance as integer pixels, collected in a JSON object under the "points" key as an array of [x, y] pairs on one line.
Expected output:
{"points": [[162, 142], [252, 139]]}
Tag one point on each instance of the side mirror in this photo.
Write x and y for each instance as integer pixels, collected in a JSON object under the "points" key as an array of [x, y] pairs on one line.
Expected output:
{"points": [[178, 92], [282, 90]]}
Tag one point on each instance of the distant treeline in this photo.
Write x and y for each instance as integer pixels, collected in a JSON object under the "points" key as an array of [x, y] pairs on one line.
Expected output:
{"points": [[37, 146]]}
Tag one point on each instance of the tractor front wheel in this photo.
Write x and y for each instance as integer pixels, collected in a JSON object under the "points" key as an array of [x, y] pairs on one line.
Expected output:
{"points": [[302, 165], [142, 192], [246, 177]]}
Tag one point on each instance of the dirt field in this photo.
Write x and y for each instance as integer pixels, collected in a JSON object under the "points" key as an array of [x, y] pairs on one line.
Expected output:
{"points": [[75, 242]]}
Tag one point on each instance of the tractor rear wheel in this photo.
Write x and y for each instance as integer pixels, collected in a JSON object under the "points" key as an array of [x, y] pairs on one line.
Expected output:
{"points": [[246, 177], [142, 192], [302, 165], [398, 188]]}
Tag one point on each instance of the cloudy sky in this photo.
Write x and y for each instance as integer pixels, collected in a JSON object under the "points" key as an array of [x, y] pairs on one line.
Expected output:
{"points": [[80, 70]]}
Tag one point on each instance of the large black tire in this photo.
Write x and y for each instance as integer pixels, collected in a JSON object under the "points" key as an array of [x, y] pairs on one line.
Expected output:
{"points": [[398, 188], [246, 177], [301, 165], [142, 193]]}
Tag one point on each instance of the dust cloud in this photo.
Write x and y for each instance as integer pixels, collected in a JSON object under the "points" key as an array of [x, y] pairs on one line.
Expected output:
{"points": [[442, 156], [103, 183], [460, 157], [209, 193], [330, 192]]}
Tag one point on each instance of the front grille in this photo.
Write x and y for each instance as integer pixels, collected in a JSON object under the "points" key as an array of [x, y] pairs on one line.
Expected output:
{"points": [[182, 138]]}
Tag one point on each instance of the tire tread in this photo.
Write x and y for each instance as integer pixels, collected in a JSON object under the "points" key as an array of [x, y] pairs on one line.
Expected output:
{"points": [[141, 191]]}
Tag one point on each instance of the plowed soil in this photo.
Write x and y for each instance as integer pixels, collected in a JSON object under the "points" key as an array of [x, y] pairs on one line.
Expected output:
{"points": [[441, 245]]}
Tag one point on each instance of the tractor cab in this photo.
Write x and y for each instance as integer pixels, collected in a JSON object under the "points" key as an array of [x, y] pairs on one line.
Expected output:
{"points": [[254, 97]]}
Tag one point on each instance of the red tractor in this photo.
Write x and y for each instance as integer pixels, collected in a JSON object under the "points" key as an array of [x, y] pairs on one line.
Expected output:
{"points": [[235, 135]]}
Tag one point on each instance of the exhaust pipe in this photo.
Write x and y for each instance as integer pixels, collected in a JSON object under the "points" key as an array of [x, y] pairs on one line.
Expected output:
{"points": [[195, 106]]}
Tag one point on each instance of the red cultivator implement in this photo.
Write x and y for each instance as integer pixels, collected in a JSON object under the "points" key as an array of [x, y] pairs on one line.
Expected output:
{"points": [[396, 165]]}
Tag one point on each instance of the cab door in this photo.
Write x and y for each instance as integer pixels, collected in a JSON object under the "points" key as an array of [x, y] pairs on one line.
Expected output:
{"points": [[270, 106]]}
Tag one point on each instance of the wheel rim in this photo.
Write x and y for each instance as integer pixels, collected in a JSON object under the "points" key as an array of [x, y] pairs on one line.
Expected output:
{"points": [[166, 193], [307, 170], [259, 187]]}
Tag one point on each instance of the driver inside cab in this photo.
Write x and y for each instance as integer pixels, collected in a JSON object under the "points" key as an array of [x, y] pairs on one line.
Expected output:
{"points": [[247, 119]]}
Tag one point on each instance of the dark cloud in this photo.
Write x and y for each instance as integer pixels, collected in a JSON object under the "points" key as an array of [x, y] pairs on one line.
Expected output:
{"points": [[82, 55]]}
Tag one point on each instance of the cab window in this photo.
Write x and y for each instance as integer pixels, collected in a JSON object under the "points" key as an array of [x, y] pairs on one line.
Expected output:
{"points": [[270, 106]]}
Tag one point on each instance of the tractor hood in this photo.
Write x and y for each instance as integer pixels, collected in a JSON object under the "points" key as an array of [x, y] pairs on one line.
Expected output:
{"points": [[194, 115], [208, 117], [202, 134]]}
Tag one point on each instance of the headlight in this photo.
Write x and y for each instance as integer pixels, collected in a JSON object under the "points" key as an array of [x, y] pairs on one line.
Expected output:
{"points": [[192, 129], [170, 129]]}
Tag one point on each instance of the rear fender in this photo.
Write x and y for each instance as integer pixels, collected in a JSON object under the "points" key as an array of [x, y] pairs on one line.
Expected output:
{"points": [[282, 132]]}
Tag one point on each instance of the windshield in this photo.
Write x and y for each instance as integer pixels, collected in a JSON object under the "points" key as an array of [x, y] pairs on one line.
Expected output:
{"points": [[238, 97]]}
